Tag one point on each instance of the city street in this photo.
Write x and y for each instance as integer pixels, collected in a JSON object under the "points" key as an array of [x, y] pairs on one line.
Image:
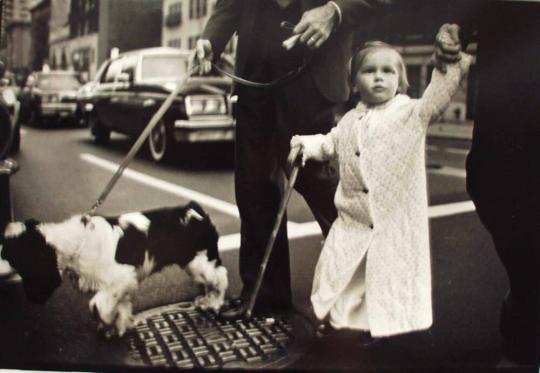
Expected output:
{"points": [[62, 172]]}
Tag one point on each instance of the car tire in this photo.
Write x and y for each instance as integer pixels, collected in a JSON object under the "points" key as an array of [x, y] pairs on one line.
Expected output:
{"points": [[160, 142], [16, 141], [101, 134], [35, 120], [6, 133]]}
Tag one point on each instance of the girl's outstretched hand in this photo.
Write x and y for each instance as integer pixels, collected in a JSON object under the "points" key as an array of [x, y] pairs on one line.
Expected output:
{"points": [[447, 47]]}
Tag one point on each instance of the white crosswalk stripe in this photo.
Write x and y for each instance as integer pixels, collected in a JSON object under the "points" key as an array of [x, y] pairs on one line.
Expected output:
{"points": [[232, 241]]}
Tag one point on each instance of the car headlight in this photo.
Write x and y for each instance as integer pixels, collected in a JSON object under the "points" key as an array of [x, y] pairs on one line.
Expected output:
{"points": [[9, 97], [49, 98], [205, 105]]}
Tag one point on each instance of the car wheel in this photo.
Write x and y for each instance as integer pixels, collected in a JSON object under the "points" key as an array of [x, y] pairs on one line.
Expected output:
{"points": [[16, 141], [101, 134], [159, 142], [6, 133], [36, 120]]}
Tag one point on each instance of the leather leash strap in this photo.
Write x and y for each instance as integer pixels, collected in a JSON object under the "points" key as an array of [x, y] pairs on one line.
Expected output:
{"points": [[163, 109], [137, 145], [274, 83]]}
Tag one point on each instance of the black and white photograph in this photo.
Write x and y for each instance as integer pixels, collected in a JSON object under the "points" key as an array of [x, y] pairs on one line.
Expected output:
{"points": [[270, 185]]}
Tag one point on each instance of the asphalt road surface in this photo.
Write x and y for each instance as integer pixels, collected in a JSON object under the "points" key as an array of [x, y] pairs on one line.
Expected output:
{"points": [[63, 172]]}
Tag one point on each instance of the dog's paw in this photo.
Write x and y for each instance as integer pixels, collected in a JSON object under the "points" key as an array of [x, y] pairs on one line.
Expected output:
{"points": [[208, 302], [202, 302], [107, 331]]}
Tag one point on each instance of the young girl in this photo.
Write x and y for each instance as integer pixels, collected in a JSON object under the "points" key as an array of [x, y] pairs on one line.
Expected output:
{"points": [[374, 271]]}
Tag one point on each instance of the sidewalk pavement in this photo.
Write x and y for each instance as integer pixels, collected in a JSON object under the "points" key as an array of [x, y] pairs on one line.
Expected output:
{"points": [[461, 130]]}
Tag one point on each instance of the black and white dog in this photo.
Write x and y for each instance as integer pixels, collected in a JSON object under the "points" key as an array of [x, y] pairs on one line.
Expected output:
{"points": [[110, 256]]}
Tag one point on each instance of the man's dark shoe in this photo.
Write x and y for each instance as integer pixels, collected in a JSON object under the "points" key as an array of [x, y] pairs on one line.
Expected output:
{"points": [[325, 330], [235, 309], [365, 340]]}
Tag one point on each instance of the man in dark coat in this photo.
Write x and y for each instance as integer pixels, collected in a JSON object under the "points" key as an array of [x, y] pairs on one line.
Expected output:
{"points": [[503, 166], [268, 117]]}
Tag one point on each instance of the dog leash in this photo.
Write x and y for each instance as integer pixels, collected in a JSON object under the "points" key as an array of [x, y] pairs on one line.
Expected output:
{"points": [[166, 105], [137, 145], [290, 75], [294, 160]]}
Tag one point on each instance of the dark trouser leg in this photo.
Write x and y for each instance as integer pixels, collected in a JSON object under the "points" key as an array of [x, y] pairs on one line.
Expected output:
{"points": [[520, 316], [259, 186], [507, 201], [307, 112]]}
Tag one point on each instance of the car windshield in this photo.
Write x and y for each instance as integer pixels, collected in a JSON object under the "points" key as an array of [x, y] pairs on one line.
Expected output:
{"points": [[57, 81], [163, 67]]}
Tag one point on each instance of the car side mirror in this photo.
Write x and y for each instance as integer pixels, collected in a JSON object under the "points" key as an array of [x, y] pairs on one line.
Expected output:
{"points": [[123, 78]]}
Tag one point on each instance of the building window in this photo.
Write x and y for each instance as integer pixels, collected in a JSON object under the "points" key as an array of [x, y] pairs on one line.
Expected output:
{"points": [[175, 43], [174, 17], [198, 8], [191, 9]]}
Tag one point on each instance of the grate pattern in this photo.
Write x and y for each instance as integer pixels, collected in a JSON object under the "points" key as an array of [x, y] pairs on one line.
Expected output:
{"points": [[186, 337]]}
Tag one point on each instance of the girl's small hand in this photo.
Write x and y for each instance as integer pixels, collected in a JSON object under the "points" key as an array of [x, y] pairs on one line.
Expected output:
{"points": [[297, 144], [447, 47]]}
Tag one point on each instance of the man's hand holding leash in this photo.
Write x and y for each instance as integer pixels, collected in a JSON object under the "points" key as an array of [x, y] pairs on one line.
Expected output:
{"points": [[201, 61]]}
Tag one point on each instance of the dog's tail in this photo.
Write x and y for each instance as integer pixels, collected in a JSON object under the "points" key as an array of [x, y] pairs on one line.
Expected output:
{"points": [[210, 236]]}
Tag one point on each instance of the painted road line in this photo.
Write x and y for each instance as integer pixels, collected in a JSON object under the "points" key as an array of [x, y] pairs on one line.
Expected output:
{"points": [[203, 199], [232, 241], [440, 211], [457, 151], [448, 171]]}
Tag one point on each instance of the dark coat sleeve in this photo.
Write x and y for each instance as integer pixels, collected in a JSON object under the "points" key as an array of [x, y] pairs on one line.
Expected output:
{"points": [[355, 12], [223, 23]]}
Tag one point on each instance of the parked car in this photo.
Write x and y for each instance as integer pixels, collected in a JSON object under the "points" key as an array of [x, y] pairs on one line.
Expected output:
{"points": [[10, 131], [130, 88], [49, 96]]}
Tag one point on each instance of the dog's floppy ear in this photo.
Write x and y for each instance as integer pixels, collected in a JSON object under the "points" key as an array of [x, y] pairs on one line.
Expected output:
{"points": [[34, 260]]}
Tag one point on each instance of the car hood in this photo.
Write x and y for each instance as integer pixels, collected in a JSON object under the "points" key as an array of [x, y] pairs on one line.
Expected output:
{"points": [[60, 92], [215, 85]]}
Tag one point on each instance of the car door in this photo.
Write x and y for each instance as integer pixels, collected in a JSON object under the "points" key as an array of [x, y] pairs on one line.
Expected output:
{"points": [[129, 98], [109, 96]]}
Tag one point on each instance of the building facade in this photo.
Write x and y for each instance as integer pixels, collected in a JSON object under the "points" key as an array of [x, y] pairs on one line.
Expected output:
{"points": [[39, 33], [16, 33], [83, 32], [184, 21]]}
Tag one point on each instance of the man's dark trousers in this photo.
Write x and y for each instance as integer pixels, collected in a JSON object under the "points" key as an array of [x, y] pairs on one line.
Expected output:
{"points": [[503, 167], [265, 124]]}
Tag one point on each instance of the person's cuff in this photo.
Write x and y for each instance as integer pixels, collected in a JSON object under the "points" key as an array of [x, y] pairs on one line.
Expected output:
{"points": [[338, 9]]}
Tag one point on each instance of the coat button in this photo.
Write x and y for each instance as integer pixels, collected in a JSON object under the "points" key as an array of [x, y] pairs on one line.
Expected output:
{"points": [[371, 226], [365, 190], [357, 153]]}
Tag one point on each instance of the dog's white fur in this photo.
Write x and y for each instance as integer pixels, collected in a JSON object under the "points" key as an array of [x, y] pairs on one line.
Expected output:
{"points": [[88, 251], [214, 279]]}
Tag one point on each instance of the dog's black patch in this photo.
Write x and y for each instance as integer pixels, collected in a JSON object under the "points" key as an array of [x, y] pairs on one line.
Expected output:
{"points": [[35, 261], [169, 241]]}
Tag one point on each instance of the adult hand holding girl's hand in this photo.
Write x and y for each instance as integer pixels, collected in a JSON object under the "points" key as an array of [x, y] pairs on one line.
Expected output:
{"points": [[447, 47]]}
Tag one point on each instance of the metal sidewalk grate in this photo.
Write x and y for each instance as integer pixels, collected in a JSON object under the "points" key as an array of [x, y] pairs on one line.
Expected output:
{"points": [[182, 336]]}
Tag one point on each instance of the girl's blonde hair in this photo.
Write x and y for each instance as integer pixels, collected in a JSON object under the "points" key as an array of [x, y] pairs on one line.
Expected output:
{"points": [[370, 47]]}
